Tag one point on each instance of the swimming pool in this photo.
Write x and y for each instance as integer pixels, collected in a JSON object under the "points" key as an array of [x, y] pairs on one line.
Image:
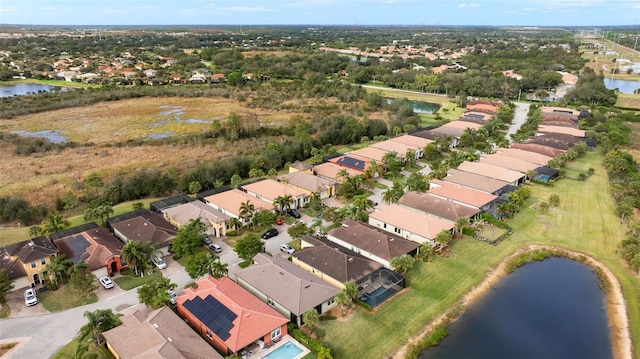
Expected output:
{"points": [[287, 351]]}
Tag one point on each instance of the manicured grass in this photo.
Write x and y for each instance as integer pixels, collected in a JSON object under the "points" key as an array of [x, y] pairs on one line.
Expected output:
{"points": [[48, 82], [628, 101], [584, 221], [127, 282], [5, 311], [491, 233], [65, 297], [69, 350]]}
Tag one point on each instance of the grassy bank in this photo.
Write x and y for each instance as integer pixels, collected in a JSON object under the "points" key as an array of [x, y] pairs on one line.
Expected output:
{"points": [[584, 222], [48, 82], [448, 110]]}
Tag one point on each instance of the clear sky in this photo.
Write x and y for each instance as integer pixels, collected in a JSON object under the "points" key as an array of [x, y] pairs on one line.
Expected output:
{"points": [[322, 12]]}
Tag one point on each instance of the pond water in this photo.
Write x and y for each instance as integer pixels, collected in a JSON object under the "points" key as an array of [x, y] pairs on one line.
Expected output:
{"points": [[549, 309], [25, 88], [623, 86], [421, 106], [53, 136], [174, 114]]}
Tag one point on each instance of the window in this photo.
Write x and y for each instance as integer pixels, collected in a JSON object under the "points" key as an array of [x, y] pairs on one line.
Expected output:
{"points": [[330, 302], [271, 302], [384, 225], [43, 261], [275, 333], [397, 230], [33, 264], [209, 334]]}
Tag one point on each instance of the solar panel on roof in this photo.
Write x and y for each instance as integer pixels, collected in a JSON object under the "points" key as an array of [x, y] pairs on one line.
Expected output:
{"points": [[473, 115], [77, 244], [83, 257], [352, 162], [213, 314]]}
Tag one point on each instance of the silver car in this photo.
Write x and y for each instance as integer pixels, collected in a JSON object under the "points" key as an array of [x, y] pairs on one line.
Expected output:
{"points": [[106, 282], [30, 297], [287, 248]]}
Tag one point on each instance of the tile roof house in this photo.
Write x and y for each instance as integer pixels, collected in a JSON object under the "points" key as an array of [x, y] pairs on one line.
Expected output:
{"points": [[510, 176], [562, 130], [397, 147], [158, 334], [310, 183], [456, 128], [97, 247], [215, 222], [477, 182], [330, 170], [407, 223], [515, 164], [286, 287], [528, 153], [268, 190], [228, 316], [558, 141], [371, 242], [229, 202], [436, 206], [559, 110], [334, 265], [415, 141], [372, 153], [351, 161], [147, 227], [461, 195], [25, 262]]}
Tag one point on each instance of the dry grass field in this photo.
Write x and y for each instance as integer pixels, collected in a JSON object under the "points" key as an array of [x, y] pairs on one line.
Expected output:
{"points": [[628, 101], [137, 119]]}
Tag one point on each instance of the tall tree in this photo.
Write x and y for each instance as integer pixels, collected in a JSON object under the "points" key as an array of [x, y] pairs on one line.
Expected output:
{"points": [[54, 223], [200, 264], [155, 293], [343, 300], [248, 246], [82, 279], [99, 321], [188, 238], [35, 231], [246, 210], [6, 286], [311, 318], [402, 264], [101, 212], [58, 266], [462, 223], [132, 253]]}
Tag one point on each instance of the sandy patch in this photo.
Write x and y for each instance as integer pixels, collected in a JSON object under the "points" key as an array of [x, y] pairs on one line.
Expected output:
{"points": [[616, 307]]}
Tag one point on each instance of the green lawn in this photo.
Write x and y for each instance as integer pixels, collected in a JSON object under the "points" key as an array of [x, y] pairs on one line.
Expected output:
{"points": [[68, 351], [584, 222], [127, 282], [64, 298]]}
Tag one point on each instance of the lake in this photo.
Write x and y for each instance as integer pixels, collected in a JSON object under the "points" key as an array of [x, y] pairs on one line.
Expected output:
{"points": [[549, 309], [25, 88], [421, 106], [623, 86]]}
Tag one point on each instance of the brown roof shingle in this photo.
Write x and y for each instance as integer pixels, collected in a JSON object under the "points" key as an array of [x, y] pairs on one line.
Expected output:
{"points": [[436, 206]]}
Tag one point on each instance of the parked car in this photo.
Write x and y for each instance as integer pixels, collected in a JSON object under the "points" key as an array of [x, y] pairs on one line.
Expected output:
{"points": [[106, 282], [205, 240], [299, 222], [270, 233], [293, 213], [159, 262], [215, 247], [287, 248], [30, 297], [172, 296], [279, 221]]}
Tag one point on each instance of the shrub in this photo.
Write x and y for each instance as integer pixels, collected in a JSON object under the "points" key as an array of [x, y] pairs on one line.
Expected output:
{"points": [[328, 317], [319, 333]]}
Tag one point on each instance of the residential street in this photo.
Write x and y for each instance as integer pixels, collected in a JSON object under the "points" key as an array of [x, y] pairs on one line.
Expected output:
{"points": [[522, 109], [43, 335]]}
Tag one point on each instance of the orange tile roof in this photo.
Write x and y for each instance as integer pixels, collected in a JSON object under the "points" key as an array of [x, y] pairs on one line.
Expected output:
{"points": [[491, 171], [254, 320], [330, 170], [411, 221], [412, 140], [272, 189], [509, 163], [461, 194], [231, 201]]}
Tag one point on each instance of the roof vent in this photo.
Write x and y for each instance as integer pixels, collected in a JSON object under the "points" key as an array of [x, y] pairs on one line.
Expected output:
{"points": [[344, 225], [350, 259], [155, 325], [307, 286], [169, 339]]}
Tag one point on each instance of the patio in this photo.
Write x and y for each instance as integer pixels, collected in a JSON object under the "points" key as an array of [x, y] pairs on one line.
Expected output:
{"points": [[255, 352]]}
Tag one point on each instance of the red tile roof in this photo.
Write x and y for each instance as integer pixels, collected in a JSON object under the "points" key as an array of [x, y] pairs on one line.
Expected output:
{"points": [[254, 319]]}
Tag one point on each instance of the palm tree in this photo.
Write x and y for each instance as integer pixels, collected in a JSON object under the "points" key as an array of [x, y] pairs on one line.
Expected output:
{"points": [[219, 269], [150, 250], [54, 223], [443, 239], [462, 223], [361, 205], [58, 265], [343, 174], [246, 210], [343, 299], [351, 289], [100, 321], [287, 202], [235, 223], [133, 253]]}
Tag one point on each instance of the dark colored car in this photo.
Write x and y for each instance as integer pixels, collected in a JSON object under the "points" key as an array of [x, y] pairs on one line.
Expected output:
{"points": [[293, 213], [270, 233]]}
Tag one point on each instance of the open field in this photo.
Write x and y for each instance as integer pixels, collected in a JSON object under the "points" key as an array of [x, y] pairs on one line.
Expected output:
{"points": [[138, 119], [626, 100], [48, 82], [601, 62], [448, 109], [583, 222]]}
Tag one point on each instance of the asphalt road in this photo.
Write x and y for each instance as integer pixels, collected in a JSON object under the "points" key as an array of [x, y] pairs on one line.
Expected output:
{"points": [[522, 109]]}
